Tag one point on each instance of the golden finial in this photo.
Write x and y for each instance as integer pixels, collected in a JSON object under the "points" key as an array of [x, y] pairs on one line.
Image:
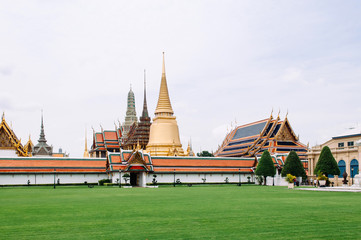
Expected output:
{"points": [[272, 113], [287, 114], [86, 153], [3, 117], [278, 115], [138, 146]]}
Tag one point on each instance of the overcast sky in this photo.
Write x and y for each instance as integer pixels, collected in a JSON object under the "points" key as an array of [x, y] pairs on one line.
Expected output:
{"points": [[226, 61]]}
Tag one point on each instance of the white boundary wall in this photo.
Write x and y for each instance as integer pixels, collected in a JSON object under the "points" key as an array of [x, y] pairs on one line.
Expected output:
{"points": [[48, 178], [147, 178]]}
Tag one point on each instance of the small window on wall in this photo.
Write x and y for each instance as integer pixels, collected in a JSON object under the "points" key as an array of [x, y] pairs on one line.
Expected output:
{"points": [[350, 144], [341, 145]]}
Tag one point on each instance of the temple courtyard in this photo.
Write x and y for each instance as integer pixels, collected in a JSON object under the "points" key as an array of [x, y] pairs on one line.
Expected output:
{"points": [[198, 212]]}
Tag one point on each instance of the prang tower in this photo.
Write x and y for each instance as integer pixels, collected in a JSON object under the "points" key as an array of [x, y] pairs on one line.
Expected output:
{"points": [[131, 115], [164, 133]]}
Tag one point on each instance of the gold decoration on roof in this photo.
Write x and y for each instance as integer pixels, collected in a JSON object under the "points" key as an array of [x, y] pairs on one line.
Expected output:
{"points": [[8, 139]]}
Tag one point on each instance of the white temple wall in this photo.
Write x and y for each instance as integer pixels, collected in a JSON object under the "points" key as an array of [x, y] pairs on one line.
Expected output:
{"points": [[48, 178], [198, 177]]}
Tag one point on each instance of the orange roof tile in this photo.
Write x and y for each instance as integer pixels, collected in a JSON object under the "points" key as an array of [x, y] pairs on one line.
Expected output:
{"points": [[156, 169], [110, 135], [49, 164], [99, 137], [199, 162]]}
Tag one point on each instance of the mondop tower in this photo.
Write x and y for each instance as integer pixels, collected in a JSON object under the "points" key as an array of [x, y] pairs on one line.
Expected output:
{"points": [[164, 133]]}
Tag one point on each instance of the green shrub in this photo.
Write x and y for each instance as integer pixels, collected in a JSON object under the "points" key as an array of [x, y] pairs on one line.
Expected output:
{"points": [[293, 166], [265, 166], [102, 181]]}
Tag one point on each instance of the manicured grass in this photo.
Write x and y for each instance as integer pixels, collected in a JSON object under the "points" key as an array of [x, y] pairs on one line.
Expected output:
{"points": [[198, 212]]}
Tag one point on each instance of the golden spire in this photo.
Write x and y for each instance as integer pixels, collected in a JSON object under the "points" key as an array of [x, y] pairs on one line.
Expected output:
{"points": [[86, 153], [164, 105]]}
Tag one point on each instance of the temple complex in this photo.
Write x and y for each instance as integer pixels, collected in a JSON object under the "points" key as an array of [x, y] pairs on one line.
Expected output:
{"points": [[150, 152], [42, 148], [164, 133], [270, 134]]}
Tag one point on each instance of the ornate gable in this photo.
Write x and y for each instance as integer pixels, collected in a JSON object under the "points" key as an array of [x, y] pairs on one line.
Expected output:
{"points": [[8, 139], [286, 133], [136, 162]]}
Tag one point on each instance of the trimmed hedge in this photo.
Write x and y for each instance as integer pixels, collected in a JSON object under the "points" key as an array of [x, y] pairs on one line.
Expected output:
{"points": [[102, 181]]}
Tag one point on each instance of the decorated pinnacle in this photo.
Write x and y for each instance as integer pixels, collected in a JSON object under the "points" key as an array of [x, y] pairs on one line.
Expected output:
{"points": [[164, 105], [145, 108], [42, 134]]}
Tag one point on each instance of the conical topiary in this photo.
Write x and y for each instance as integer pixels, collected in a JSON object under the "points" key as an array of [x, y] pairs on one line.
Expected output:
{"points": [[265, 166], [293, 166], [326, 163]]}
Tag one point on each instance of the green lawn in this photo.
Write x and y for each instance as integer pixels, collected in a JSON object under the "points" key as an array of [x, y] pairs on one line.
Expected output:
{"points": [[198, 212]]}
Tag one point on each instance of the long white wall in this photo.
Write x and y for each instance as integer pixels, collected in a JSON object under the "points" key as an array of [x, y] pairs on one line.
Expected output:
{"points": [[46, 178], [199, 177], [189, 178]]}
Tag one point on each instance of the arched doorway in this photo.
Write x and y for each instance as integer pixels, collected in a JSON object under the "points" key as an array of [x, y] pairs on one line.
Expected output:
{"points": [[342, 167], [354, 167]]}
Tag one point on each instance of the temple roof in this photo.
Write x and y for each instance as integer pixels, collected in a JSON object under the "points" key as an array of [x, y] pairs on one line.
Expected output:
{"points": [[123, 161], [8, 139], [252, 139], [48, 164], [106, 140]]}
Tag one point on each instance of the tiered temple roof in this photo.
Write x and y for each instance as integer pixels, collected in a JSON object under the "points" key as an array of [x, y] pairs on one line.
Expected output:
{"points": [[252, 139], [106, 141]]}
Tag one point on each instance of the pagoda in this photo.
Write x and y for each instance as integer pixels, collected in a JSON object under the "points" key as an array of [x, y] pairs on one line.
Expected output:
{"points": [[42, 148], [131, 115], [164, 133], [139, 132]]}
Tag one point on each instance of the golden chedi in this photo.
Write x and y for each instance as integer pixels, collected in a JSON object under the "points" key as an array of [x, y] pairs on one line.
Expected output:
{"points": [[164, 133]]}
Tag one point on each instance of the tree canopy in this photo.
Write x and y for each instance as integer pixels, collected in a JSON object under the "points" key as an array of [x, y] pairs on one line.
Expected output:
{"points": [[293, 166], [205, 154], [265, 166], [326, 163]]}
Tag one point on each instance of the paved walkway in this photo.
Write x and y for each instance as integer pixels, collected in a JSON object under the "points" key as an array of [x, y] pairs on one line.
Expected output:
{"points": [[332, 189]]}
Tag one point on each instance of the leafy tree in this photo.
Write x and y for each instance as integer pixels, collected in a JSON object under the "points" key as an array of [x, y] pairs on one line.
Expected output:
{"points": [[326, 163], [265, 166], [205, 154], [293, 166], [126, 177]]}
